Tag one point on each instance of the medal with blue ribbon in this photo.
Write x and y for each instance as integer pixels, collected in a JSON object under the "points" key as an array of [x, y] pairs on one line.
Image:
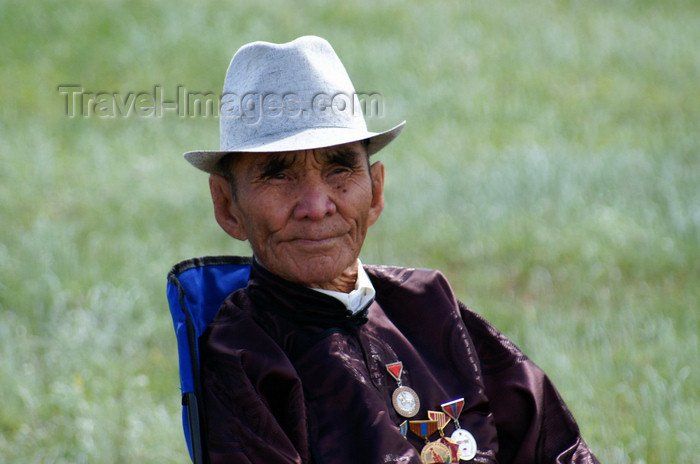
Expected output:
{"points": [[423, 428], [403, 428]]}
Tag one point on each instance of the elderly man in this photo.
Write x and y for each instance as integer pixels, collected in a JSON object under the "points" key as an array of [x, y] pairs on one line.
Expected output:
{"points": [[320, 358]]}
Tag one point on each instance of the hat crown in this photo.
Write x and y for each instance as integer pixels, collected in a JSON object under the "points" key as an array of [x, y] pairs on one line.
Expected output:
{"points": [[287, 97], [274, 90]]}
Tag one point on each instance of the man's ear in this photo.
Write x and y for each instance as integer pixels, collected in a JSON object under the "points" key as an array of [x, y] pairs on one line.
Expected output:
{"points": [[377, 173], [226, 210]]}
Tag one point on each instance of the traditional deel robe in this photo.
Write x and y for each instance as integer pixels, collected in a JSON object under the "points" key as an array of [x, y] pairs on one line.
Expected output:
{"points": [[292, 376]]}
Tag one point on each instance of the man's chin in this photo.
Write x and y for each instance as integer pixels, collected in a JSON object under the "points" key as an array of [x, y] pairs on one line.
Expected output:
{"points": [[312, 271]]}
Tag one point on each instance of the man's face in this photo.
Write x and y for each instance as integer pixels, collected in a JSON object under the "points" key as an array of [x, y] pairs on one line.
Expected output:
{"points": [[305, 213]]}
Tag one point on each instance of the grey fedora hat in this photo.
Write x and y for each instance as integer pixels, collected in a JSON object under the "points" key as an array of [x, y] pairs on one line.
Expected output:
{"points": [[287, 97]]}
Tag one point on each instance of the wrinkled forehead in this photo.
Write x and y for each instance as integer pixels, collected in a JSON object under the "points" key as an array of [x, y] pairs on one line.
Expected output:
{"points": [[347, 154], [339, 153]]}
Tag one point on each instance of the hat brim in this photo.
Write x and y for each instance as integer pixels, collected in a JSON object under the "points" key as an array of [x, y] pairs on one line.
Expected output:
{"points": [[208, 161]]}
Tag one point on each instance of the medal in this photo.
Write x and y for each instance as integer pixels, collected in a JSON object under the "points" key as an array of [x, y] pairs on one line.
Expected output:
{"points": [[452, 446], [404, 428], [467, 449], [433, 451], [442, 419], [453, 409], [404, 399], [465, 440]]}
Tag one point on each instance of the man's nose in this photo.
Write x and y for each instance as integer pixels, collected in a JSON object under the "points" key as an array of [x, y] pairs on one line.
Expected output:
{"points": [[314, 199]]}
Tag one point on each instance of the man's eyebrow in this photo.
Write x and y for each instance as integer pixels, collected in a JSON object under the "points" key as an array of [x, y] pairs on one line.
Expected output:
{"points": [[344, 157], [274, 164]]}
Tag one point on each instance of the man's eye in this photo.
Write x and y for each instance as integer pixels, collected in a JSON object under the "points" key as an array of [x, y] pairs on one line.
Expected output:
{"points": [[276, 176]]}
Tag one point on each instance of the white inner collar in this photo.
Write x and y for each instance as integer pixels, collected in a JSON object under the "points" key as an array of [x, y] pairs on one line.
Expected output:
{"points": [[357, 298]]}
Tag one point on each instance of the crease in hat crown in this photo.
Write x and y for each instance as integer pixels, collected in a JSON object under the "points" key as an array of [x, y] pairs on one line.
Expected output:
{"points": [[277, 97]]}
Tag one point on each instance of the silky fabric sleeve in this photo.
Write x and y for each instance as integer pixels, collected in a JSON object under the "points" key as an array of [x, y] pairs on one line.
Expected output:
{"points": [[533, 423], [253, 397]]}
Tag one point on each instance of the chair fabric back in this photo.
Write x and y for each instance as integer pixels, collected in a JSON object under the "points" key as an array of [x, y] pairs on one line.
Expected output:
{"points": [[196, 289]]}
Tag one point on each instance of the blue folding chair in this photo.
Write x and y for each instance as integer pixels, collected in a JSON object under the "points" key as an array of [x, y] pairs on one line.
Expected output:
{"points": [[196, 289]]}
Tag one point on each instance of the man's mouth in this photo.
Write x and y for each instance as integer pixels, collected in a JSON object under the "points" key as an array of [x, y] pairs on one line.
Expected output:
{"points": [[312, 239]]}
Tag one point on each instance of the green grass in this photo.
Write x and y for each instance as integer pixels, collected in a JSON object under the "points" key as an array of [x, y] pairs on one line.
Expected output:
{"points": [[550, 168]]}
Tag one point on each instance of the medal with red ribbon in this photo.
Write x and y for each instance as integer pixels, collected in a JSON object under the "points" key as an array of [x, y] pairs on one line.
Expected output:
{"points": [[465, 440], [453, 409], [433, 451], [443, 419], [404, 399]]}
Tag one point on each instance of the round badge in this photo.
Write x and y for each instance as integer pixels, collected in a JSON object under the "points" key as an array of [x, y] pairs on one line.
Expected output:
{"points": [[461, 435], [405, 401], [435, 452], [467, 449]]}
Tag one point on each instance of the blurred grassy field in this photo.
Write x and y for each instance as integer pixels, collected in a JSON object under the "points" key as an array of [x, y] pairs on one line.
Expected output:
{"points": [[550, 167]]}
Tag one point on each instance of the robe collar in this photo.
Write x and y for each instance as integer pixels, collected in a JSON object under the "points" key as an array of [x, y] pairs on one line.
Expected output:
{"points": [[298, 303]]}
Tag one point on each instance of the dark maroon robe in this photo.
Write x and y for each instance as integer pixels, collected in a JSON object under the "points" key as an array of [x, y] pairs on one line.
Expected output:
{"points": [[291, 376]]}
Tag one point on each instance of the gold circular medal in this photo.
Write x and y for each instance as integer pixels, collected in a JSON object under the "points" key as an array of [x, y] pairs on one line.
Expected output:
{"points": [[405, 401], [435, 452]]}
